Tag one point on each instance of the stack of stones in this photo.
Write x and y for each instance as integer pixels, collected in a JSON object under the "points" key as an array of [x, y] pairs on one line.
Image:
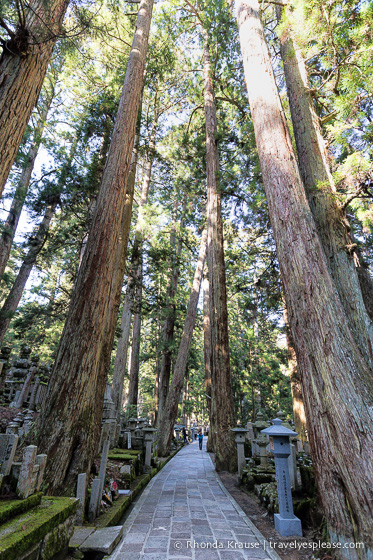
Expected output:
{"points": [[25, 384], [260, 470]]}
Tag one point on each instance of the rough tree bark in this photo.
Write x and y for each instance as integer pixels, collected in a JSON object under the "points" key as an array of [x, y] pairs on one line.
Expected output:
{"points": [[207, 356], [23, 65], [170, 409], [330, 217], [295, 383], [126, 317], [69, 425], [221, 385], [36, 244], [170, 310], [135, 269], [337, 382], [133, 388], [11, 223]]}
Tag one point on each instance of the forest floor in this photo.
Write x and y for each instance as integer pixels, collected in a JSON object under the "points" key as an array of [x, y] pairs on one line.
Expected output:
{"points": [[264, 521]]}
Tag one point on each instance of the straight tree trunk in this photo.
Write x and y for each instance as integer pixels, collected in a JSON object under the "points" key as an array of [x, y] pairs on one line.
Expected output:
{"points": [[330, 218], [11, 223], [207, 357], [337, 382], [221, 384], [120, 363], [35, 246], [23, 65], [69, 426], [170, 310], [135, 269], [169, 412], [133, 388]]}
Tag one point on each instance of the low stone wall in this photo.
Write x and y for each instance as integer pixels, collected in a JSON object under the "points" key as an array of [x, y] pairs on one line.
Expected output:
{"points": [[118, 509], [40, 533]]}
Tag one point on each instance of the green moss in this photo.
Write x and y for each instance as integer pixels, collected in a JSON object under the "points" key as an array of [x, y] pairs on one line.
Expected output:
{"points": [[115, 513], [11, 508], [120, 457], [20, 534], [126, 451]]}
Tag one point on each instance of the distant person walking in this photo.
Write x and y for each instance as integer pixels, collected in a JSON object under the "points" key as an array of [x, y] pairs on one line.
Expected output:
{"points": [[200, 439], [185, 435]]}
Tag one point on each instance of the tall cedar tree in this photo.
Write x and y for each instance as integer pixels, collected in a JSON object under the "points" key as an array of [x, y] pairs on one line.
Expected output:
{"points": [[170, 409], [69, 426], [221, 386], [337, 381], [329, 215], [125, 325], [23, 65]]}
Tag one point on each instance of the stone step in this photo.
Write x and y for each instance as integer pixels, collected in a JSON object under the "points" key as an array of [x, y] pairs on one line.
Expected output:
{"points": [[11, 508], [38, 530], [100, 540]]}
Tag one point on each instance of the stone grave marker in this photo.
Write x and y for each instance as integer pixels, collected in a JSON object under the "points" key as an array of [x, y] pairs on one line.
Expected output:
{"points": [[24, 486], [80, 494], [95, 499], [40, 460], [8, 446]]}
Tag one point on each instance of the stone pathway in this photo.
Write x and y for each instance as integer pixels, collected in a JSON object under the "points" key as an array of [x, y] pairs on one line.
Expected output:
{"points": [[186, 513]]}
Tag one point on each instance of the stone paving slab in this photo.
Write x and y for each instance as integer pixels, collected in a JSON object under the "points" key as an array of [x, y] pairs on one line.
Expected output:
{"points": [[103, 540], [185, 513]]}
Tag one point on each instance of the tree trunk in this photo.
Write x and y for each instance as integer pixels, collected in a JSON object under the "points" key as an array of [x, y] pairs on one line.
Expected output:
{"points": [[170, 310], [69, 426], [207, 357], [331, 221], [337, 382], [170, 409], [36, 244], [221, 384], [120, 362], [133, 389], [295, 383], [20, 193], [23, 65], [122, 348]]}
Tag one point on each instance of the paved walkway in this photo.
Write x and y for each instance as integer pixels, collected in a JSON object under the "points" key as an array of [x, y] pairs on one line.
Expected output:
{"points": [[186, 513]]}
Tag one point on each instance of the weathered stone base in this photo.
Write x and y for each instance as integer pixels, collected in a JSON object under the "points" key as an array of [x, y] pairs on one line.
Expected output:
{"points": [[288, 527]]}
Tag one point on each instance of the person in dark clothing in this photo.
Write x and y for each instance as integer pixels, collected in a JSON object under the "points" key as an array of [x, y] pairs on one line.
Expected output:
{"points": [[200, 439], [185, 435]]}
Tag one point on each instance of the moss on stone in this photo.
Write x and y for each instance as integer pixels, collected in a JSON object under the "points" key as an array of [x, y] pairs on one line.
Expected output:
{"points": [[115, 513], [12, 508], [120, 457], [20, 534]]}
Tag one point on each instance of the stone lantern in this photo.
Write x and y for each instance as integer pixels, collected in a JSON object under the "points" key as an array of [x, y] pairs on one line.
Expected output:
{"points": [[239, 438], [286, 523]]}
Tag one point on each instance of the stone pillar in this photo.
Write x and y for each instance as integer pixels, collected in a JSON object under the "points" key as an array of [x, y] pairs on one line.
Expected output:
{"points": [[94, 503], [4, 364], [148, 437], [259, 425], [80, 494], [26, 471], [8, 446], [34, 392], [102, 473], [286, 523], [262, 443], [41, 461], [239, 437]]}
